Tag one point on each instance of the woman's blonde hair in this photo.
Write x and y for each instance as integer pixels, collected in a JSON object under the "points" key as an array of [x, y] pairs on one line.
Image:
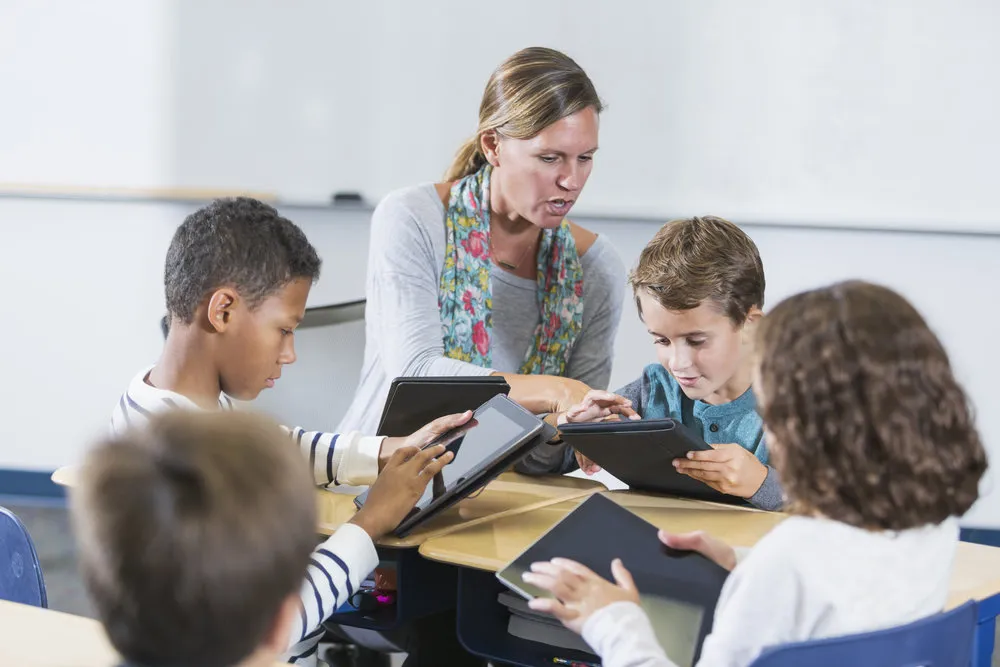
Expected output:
{"points": [[529, 91]]}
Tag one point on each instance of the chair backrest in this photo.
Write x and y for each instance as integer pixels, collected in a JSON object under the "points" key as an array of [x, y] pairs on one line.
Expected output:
{"points": [[20, 572], [941, 640]]}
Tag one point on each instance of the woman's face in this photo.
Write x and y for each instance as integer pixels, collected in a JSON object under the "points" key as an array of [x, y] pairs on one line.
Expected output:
{"points": [[539, 179]]}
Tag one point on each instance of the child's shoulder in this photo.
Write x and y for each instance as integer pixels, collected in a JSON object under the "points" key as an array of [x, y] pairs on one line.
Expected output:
{"points": [[655, 393]]}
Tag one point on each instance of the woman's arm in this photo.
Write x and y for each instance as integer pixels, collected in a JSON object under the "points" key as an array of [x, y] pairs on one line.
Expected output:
{"points": [[404, 271], [542, 394], [603, 293]]}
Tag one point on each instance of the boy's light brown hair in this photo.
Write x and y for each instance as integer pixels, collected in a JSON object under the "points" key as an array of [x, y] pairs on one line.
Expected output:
{"points": [[192, 531], [693, 260], [868, 425]]}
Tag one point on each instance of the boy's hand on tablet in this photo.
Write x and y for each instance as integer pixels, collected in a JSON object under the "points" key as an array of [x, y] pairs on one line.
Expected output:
{"points": [[579, 591], [599, 405], [727, 468], [399, 487], [427, 434], [712, 548]]}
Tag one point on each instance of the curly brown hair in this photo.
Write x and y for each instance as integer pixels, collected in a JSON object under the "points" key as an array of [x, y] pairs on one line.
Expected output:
{"points": [[866, 422], [691, 260]]}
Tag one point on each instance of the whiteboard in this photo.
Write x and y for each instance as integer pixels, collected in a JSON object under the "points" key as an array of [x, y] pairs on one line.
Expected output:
{"points": [[880, 113]]}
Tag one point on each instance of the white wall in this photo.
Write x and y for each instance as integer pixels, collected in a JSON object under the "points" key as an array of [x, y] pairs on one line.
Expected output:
{"points": [[868, 112], [87, 92], [94, 90]]}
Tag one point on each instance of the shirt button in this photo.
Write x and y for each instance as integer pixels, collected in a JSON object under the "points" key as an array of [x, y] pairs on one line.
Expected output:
{"points": [[714, 428]]}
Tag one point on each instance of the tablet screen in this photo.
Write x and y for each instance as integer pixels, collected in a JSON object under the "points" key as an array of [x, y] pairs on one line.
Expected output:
{"points": [[480, 440]]}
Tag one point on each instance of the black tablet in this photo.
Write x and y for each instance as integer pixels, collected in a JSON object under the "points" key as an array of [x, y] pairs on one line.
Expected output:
{"points": [[499, 433], [641, 453], [678, 589], [415, 401]]}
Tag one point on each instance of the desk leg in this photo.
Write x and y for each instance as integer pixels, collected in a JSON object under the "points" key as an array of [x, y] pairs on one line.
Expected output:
{"points": [[983, 644]]}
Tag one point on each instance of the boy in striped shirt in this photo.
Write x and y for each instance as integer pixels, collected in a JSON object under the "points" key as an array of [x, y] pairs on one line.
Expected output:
{"points": [[237, 278]]}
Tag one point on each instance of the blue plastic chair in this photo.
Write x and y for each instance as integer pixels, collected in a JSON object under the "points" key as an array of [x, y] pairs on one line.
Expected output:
{"points": [[20, 572], [941, 640]]}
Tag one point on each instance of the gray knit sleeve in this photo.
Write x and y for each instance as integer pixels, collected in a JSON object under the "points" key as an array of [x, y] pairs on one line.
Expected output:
{"points": [[771, 495]]}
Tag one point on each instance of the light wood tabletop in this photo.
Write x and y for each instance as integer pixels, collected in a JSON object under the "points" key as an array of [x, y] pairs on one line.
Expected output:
{"points": [[35, 637], [508, 495], [65, 476], [511, 494], [491, 546]]}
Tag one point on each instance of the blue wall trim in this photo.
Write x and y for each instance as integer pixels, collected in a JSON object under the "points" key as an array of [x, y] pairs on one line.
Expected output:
{"points": [[987, 536], [32, 483]]}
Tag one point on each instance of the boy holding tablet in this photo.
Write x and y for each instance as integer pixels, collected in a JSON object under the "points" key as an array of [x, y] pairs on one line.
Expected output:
{"points": [[699, 289], [237, 277]]}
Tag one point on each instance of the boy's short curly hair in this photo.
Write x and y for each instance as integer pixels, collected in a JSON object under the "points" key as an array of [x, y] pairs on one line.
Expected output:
{"points": [[869, 425], [238, 242], [692, 260]]}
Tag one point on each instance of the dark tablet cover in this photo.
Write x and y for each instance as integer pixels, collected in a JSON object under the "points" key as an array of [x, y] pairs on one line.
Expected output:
{"points": [[678, 589], [416, 401], [641, 453]]}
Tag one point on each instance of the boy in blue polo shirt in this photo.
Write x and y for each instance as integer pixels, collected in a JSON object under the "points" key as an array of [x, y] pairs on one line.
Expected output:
{"points": [[699, 288]]}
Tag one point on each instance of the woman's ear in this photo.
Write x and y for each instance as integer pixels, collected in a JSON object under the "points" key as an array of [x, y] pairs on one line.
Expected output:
{"points": [[489, 144]]}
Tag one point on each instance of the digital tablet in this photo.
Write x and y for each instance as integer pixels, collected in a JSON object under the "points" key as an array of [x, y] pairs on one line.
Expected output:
{"points": [[414, 402], [499, 433], [677, 589], [641, 453]]}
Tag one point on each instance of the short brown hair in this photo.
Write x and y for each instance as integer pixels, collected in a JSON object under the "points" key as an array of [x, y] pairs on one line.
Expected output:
{"points": [[692, 260], [192, 532], [869, 425]]}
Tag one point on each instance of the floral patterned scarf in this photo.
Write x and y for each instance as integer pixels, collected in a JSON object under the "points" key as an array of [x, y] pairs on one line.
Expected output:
{"points": [[465, 297]]}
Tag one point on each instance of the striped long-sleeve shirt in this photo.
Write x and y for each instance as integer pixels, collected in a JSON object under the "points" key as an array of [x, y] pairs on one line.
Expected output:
{"points": [[339, 564]]}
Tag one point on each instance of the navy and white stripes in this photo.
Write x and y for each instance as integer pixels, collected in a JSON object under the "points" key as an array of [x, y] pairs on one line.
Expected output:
{"points": [[335, 571], [339, 564]]}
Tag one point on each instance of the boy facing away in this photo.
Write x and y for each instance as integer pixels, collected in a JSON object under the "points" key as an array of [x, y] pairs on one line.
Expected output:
{"points": [[195, 533]]}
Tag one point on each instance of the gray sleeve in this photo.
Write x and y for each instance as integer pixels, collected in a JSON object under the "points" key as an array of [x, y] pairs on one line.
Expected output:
{"points": [[603, 292], [545, 459], [403, 291], [635, 391], [770, 496]]}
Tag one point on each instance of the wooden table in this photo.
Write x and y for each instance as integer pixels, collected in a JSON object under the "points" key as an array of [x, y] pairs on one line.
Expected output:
{"points": [[508, 496], [491, 546], [35, 637]]}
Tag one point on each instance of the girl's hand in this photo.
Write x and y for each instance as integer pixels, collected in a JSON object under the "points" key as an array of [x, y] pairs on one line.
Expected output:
{"points": [[579, 591]]}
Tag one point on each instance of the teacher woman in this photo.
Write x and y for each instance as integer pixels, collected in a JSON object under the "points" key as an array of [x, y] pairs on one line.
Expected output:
{"points": [[483, 274]]}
